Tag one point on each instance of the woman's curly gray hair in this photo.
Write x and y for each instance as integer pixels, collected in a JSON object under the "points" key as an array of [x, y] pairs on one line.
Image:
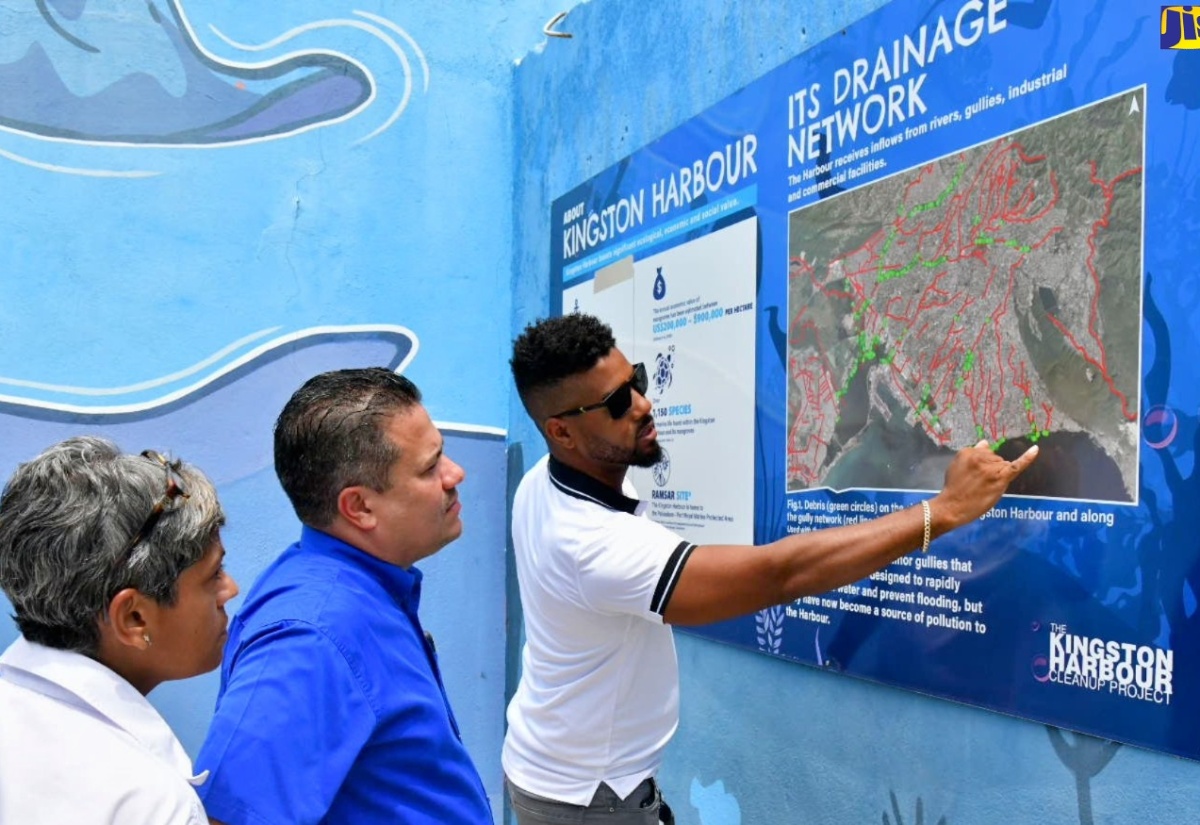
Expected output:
{"points": [[66, 520]]}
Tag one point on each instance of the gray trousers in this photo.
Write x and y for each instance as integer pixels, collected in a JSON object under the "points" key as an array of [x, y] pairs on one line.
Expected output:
{"points": [[644, 806]]}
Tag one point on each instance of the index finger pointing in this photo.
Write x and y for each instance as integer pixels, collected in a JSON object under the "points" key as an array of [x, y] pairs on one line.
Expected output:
{"points": [[1024, 460]]}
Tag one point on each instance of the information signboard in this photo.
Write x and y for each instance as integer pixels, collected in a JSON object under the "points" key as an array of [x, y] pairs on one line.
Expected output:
{"points": [[966, 220]]}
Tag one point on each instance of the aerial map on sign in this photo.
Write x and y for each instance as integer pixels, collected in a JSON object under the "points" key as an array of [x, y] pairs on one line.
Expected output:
{"points": [[993, 293]]}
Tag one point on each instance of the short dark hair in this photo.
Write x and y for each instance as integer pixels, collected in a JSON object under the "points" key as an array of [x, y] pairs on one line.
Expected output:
{"points": [[66, 520], [553, 349], [332, 435]]}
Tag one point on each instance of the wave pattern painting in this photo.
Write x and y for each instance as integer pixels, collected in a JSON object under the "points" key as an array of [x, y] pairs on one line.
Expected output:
{"points": [[219, 416]]}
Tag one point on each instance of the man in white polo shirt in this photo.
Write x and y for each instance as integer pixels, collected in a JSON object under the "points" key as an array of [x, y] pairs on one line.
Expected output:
{"points": [[598, 699]]}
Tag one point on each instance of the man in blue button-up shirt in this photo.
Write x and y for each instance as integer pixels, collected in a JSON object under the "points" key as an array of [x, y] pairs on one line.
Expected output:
{"points": [[331, 707]]}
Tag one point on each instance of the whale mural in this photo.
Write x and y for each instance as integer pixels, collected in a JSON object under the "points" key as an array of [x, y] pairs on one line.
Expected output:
{"points": [[111, 74]]}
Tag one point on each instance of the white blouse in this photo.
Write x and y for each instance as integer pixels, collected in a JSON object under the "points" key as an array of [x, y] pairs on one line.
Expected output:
{"points": [[78, 744]]}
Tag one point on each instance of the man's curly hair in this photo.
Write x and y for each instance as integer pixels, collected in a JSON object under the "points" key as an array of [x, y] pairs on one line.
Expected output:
{"points": [[553, 349]]}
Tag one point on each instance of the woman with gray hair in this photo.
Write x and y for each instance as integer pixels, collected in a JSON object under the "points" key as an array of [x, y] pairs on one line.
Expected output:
{"points": [[113, 564]]}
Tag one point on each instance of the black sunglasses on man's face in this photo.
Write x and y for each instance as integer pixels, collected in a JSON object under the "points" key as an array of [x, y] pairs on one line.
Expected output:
{"points": [[619, 400]]}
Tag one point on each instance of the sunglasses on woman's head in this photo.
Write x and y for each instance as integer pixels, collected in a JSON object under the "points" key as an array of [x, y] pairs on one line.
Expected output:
{"points": [[174, 490]]}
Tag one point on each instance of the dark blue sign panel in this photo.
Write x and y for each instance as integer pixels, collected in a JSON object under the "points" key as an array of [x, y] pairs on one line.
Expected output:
{"points": [[965, 220]]}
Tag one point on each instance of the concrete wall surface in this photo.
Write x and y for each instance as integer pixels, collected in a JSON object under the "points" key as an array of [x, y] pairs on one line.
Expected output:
{"points": [[208, 201]]}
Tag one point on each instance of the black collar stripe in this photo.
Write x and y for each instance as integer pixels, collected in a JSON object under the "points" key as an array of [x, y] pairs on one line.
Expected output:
{"points": [[576, 493], [582, 486], [670, 577]]}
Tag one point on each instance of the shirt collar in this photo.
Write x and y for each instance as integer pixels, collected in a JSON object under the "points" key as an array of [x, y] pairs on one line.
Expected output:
{"points": [[88, 685], [583, 486], [403, 585]]}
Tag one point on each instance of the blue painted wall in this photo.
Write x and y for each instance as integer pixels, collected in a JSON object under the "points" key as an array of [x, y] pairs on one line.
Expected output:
{"points": [[207, 201], [762, 740], [186, 280]]}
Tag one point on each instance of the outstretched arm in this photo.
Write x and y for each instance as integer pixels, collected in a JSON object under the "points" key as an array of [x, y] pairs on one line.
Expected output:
{"points": [[723, 581]]}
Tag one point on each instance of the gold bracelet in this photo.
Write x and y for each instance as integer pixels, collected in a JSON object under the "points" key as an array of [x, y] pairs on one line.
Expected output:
{"points": [[928, 520]]}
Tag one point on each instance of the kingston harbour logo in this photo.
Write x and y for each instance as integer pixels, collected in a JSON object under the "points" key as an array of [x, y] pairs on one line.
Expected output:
{"points": [[1132, 671]]}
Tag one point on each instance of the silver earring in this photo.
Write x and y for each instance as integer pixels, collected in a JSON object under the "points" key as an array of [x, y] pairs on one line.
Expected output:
{"points": [[146, 639]]}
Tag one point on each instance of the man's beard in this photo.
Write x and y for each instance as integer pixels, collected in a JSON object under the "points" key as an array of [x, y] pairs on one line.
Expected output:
{"points": [[634, 456], [647, 457]]}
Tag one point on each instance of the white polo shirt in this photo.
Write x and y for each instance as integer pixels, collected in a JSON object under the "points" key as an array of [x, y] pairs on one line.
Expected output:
{"points": [[598, 699], [79, 745]]}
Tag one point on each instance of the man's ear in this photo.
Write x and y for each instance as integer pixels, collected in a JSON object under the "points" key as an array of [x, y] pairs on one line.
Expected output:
{"points": [[354, 505], [127, 619], [559, 432]]}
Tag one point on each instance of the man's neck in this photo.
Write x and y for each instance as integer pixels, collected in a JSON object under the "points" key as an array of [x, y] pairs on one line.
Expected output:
{"points": [[610, 475], [362, 541]]}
